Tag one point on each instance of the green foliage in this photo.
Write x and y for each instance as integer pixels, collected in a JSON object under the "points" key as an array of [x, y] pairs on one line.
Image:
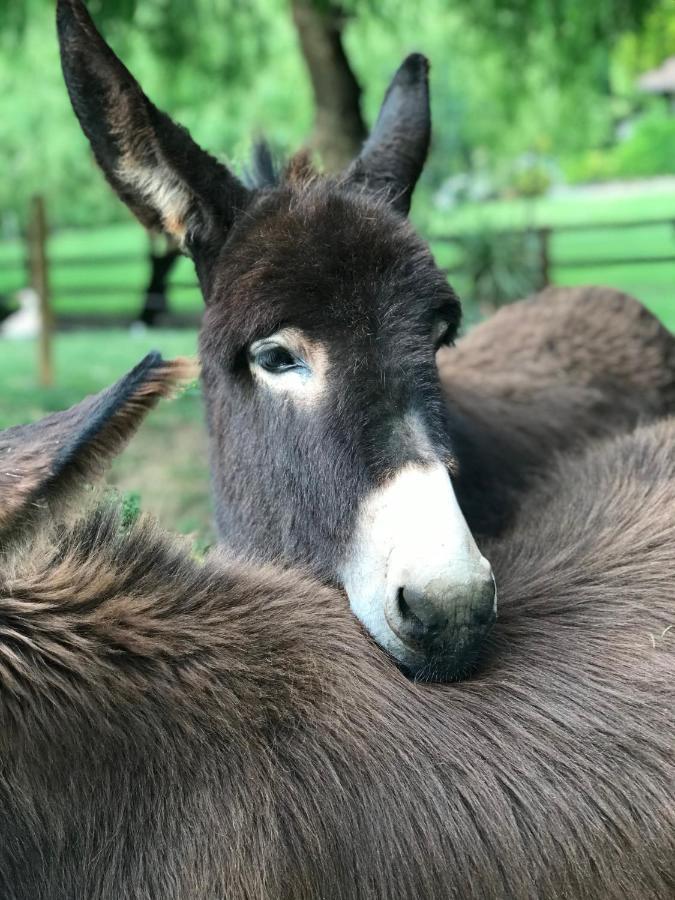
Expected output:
{"points": [[130, 508], [650, 150], [591, 165], [501, 267], [573, 30], [507, 79], [227, 89], [531, 180], [645, 48]]}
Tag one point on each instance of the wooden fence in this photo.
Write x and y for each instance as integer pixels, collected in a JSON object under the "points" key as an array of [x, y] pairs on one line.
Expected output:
{"points": [[40, 269], [545, 235], [37, 266]]}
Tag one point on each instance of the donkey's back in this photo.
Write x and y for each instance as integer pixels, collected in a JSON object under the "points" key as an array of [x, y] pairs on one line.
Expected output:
{"points": [[173, 729], [547, 374]]}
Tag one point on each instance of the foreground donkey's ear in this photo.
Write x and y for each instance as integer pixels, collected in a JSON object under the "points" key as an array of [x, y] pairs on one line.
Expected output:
{"points": [[41, 463], [166, 179], [392, 158]]}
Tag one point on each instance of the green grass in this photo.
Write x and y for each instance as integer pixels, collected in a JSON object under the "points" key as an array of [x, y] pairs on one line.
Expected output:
{"points": [[560, 210], [166, 463]]}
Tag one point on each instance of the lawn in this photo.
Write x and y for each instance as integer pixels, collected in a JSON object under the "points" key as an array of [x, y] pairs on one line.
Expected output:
{"points": [[166, 463]]}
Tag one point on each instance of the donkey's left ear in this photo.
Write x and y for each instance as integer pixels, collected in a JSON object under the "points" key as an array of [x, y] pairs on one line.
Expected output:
{"points": [[166, 179], [51, 460], [392, 158]]}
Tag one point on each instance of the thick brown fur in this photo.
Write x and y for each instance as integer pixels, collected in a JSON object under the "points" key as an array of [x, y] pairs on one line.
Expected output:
{"points": [[545, 375], [182, 730], [588, 335]]}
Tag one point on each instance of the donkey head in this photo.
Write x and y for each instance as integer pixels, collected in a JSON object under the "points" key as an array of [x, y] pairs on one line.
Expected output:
{"points": [[329, 439]]}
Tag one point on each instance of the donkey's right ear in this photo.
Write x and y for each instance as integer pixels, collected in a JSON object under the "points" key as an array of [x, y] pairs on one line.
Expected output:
{"points": [[166, 179], [392, 158], [50, 460]]}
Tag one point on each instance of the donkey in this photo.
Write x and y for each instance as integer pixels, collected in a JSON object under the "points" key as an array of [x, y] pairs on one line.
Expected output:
{"points": [[177, 729], [331, 440], [544, 375]]}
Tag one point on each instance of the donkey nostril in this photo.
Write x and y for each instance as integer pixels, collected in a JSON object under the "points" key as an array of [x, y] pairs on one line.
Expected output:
{"points": [[443, 617], [407, 615], [485, 603]]}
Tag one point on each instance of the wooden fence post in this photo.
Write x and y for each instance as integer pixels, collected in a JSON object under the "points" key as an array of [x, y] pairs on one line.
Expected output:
{"points": [[39, 276], [545, 256]]}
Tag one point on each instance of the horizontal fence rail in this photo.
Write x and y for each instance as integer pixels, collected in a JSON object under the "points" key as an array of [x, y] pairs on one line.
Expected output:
{"points": [[550, 260], [599, 261], [566, 228]]}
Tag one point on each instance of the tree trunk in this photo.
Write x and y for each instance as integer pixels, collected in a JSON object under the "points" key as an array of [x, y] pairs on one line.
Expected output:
{"points": [[339, 129]]}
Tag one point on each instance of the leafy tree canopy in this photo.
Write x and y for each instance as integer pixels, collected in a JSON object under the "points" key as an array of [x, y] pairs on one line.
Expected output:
{"points": [[507, 77], [573, 28]]}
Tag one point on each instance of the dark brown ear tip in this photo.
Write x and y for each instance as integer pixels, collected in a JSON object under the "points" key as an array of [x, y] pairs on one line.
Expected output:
{"points": [[50, 460], [72, 22], [120, 408], [413, 70], [64, 20], [66, 14]]}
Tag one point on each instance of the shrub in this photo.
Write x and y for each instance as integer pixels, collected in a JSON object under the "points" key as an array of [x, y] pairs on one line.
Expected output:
{"points": [[501, 267], [648, 151], [130, 508], [533, 180]]}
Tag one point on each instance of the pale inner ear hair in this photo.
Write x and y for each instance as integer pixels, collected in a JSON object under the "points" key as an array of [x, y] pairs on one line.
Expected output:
{"points": [[161, 188]]}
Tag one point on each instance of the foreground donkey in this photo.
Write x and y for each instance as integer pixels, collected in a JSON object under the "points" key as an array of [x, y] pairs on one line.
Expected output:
{"points": [[178, 730], [330, 437]]}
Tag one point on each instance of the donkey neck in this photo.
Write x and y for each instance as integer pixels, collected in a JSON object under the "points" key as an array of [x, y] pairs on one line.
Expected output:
{"points": [[110, 616]]}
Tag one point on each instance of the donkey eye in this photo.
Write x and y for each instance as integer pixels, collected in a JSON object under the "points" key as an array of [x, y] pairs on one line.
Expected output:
{"points": [[275, 359]]}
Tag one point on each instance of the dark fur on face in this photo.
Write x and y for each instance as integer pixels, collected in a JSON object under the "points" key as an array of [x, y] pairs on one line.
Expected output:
{"points": [[347, 273], [178, 729]]}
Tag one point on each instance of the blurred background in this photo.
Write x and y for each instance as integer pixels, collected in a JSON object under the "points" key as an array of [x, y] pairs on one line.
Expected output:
{"points": [[553, 161]]}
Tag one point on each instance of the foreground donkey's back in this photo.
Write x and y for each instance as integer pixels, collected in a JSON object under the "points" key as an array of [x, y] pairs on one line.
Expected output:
{"points": [[177, 730]]}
